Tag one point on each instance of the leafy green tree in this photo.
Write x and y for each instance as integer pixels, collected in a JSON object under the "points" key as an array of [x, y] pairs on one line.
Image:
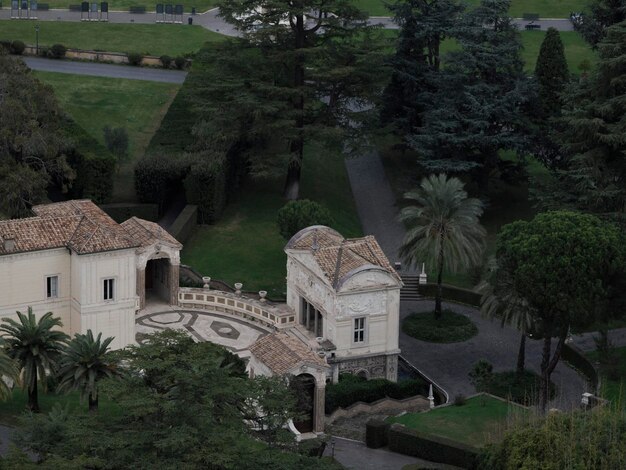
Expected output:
{"points": [[593, 177], [33, 146], [299, 75], [602, 14], [552, 73], [85, 363], [296, 215], [562, 440], [443, 228], [8, 369], [36, 347], [563, 262], [501, 301], [477, 107]]}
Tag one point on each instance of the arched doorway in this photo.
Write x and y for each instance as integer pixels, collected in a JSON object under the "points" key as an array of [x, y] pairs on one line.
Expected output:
{"points": [[157, 280], [303, 386]]}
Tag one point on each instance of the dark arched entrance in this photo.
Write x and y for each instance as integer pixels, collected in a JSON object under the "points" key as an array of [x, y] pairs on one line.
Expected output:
{"points": [[158, 280], [303, 386]]}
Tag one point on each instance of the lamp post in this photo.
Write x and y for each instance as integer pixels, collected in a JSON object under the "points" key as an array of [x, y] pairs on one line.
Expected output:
{"points": [[37, 40]]}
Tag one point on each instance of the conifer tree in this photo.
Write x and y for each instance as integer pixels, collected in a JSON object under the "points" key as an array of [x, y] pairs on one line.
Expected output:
{"points": [[602, 15], [551, 72]]}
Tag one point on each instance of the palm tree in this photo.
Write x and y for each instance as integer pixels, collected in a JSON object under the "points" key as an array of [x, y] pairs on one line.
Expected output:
{"points": [[501, 300], [36, 347], [85, 363], [8, 370], [443, 228]]}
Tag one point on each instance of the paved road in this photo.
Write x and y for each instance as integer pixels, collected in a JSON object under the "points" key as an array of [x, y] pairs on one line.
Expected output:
{"points": [[106, 70], [449, 364]]}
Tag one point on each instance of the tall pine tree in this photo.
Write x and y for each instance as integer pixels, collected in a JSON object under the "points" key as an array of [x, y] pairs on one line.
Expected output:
{"points": [[552, 73], [602, 14]]}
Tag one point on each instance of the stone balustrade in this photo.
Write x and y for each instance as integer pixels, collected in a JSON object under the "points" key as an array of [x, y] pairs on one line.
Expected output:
{"points": [[277, 316]]}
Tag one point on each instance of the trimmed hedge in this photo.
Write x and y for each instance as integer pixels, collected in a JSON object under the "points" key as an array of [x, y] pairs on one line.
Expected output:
{"points": [[573, 356], [158, 177], [376, 433], [296, 215], [185, 224], [93, 163], [205, 186], [57, 51], [121, 212], [451, 293], [434, 448], [351, 389], [134, 58], [452, 327], [17, 47]]}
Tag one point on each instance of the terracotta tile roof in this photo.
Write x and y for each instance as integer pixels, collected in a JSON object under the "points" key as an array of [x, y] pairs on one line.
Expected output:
{"points": [[147, 233], [338, 257], [282, 353], [79, 225]]}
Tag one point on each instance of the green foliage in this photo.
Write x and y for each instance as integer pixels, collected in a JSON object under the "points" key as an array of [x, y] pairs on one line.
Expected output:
{"points": [[376, 433], [351, 389], [443, 228], [180, 62], [522, 389], [121, 212], [601, 15], [296, 215], [8, 369], [205, 186], [57, 51], [36, 347], [158, 177], [17, 47], [135, 58], [85, 363], [116, 140], [551, 72], [450, 327], [166, 61], [563, 440], [481, 375]]}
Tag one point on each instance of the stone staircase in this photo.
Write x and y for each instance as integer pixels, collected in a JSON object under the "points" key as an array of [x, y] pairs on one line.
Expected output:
{"points": [[410, 291]]}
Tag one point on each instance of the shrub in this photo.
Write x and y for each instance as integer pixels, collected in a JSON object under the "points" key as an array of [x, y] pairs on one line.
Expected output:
{"points": [[459, 400], [376, 431], [116, 140], [296, 215], [57, 51], [351, 389], [166, 61], [5, 45], [43, 51], [134, 58], [522, 389], [205, 186], [159, 176], [450, 328], [481, 375], [17, 47], [180, 62]]}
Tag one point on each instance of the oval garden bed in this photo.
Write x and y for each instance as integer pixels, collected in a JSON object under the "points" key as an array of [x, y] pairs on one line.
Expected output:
{"points": [[452, 327]]}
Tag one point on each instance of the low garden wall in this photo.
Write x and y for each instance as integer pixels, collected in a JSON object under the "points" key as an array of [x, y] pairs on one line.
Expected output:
{"points": [[384, 405], [577, 359], [452, 293], [98, 56]]}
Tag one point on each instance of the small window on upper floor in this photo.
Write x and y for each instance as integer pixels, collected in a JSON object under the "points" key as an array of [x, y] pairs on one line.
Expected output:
{"points": [[52, 287], [359, 330], [109, 289]]}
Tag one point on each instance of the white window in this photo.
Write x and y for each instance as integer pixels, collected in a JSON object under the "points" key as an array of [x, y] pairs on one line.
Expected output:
{"points": [[52, 287], [359, 330], [109, 289]]}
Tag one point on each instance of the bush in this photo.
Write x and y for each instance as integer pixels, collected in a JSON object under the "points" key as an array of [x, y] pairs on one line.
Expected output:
{"points": [[116, 140], [166, 61], [459, 400], [450, 328], [296, 215], [429, 447], [351, 389], [57, 51], [157, 177], [17, 47], [180, 62], [376, 433], [5, 46], [205, 186], [523, 390], [481, 375], [43, 51], [134, 58]]}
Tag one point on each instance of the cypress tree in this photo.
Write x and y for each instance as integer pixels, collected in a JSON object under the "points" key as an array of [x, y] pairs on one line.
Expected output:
{"points": [[551, 72]]}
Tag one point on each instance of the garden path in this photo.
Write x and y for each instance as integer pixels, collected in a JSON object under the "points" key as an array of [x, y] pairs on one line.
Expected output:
{"points": [[449, 364], [585, 341]]}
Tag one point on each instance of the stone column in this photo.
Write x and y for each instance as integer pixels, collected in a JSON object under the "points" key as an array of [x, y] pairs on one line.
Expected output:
{"points": [[141, 287], [318, 405], [391, 367], [174, 276]]}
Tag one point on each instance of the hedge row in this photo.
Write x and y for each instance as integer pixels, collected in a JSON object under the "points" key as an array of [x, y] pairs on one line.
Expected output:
{"points": [[428, 447], [454, 294], [351, 389], [121, 212], [93, 163]]}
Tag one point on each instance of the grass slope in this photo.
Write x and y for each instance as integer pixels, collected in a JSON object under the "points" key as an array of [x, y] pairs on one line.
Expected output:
{"points": [[95, 102], [481, 420], [153, 39], [245, 246]]}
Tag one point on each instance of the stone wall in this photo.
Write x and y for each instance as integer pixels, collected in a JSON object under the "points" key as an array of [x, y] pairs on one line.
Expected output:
{"points": [[380, 366], [384, 405]]}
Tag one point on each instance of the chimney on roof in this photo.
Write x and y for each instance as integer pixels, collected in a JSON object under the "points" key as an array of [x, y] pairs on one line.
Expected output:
{"points": [[8, 242], [314, 245]]}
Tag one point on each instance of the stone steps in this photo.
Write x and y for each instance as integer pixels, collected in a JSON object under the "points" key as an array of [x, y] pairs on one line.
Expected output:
{"points": [[410, 291]]}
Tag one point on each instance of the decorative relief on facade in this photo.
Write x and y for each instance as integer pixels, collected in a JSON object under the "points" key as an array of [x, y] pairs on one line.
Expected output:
{"points": [[374, 303]]}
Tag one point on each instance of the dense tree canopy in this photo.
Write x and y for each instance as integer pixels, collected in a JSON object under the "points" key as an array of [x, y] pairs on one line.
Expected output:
{"points": [[562, 263], [601, 15]]}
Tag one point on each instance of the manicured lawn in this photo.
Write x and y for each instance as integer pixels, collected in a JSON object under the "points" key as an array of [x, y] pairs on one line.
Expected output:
{"points": [[11, 409], [481, 420], [576, 49], [95, 102], [545, 8], [450, 328], [245, 246], [157, 39], [614, 388], [122, 5]]}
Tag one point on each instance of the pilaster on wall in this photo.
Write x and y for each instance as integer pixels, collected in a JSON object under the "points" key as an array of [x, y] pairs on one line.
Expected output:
{"points": [[174, 274], [392, 368], [141, 286], [319, 400]]}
